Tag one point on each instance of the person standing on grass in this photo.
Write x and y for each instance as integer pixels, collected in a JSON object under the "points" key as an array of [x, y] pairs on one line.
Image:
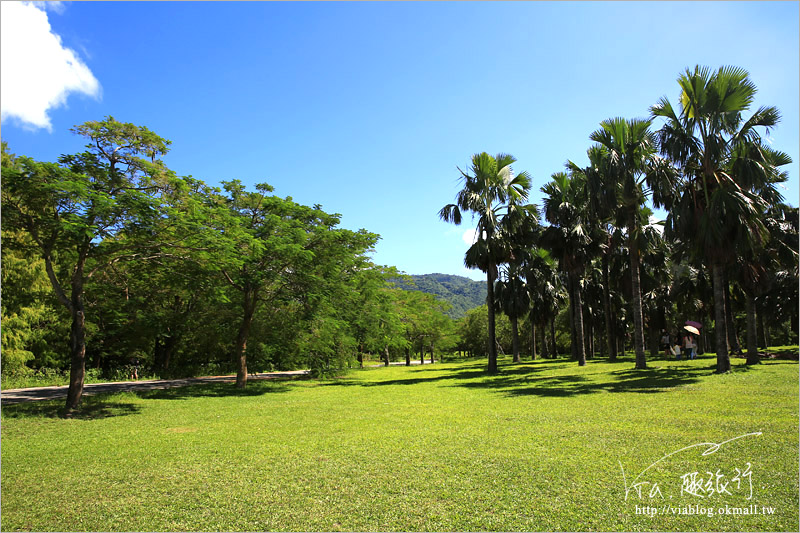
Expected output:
{"points": [[688, 344]]}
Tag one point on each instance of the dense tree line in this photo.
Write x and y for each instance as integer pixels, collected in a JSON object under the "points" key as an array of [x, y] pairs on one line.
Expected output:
{"points": [[110, 257], [727, 254], [113, 251]]}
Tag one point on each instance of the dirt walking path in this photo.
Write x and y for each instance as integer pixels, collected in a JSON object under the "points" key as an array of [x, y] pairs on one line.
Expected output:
{"points": [[13, 396]]}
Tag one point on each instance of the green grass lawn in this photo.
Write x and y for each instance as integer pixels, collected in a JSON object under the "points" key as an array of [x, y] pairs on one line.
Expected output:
{"points": [[440, 447]]}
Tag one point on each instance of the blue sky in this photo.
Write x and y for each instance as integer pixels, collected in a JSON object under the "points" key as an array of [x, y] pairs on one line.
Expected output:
{"points": [[367, 108]]}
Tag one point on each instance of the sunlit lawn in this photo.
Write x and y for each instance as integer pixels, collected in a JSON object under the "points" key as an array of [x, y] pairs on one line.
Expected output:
{"points": [[442, 447]]}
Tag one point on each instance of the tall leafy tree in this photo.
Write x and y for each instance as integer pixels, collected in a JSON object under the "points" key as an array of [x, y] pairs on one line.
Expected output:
{"points": [[270, 241], [490, 188], [86, 212], [713, 209]]}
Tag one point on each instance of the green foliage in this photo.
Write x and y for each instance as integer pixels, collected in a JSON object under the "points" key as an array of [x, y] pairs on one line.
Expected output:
{"points": [[32, 331]]}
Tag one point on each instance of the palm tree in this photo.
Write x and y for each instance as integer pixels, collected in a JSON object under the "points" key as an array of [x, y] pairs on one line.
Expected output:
{"points": [[545, 290], [602, 202], [752, 162], [754, 269], [626, 170], [712, 210], [518, 232], [656, 280], [490, 189], [572, 241]]}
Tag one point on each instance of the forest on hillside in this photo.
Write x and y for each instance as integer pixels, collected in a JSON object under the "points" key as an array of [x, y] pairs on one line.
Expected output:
{"points": [[461, 293]]}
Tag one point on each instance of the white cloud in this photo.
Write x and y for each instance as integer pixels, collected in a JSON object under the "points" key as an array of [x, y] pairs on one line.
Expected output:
{"points": [[38, 72], [58, 7], [469, 236]]}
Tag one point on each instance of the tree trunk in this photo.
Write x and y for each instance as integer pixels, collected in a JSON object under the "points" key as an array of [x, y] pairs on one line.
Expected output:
{"points": [[490, 305], [720, 331], [636, 291], [77, 341], [431, 353], [515, 338], [545, 351], [408, 356], [733, 339], [77, 334], [249, 309], [580, 349], [573, 349], [752, 348], [612, 352], [654, 338], [553, 337], [421, 354], [162, 353], [588, 327], [533, 341], [386, 355], [762, 337]]}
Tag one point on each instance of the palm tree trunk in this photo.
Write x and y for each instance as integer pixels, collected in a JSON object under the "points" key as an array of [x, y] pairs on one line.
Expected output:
{"points": [[752, 348], [614, 347], [572, 343], [587, 333], [553, 337], [578, 335], [653, 338], [515, 338], [733, 339], [612, 353], [490, 305], [762, 337], [720, 332], [636, 290], [533, 336]]}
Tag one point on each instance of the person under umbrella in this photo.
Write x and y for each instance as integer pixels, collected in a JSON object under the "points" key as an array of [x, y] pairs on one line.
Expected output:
{"points": [[688, 341]]}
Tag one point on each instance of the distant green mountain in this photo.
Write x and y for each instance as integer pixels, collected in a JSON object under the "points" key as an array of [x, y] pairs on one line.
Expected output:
{"points": [[462, 293]]}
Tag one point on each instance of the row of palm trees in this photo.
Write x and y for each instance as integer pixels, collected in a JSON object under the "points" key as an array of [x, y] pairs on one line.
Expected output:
{"points": [[707, 165]]}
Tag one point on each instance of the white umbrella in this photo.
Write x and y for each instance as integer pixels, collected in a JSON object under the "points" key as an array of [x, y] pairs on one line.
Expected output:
{"points": [[692, 329]]}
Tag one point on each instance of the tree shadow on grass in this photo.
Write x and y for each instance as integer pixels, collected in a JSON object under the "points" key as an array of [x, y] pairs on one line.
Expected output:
{"points": [[222, 389], [526, 379], [648, 381], [91, 408], [467, 372]]}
